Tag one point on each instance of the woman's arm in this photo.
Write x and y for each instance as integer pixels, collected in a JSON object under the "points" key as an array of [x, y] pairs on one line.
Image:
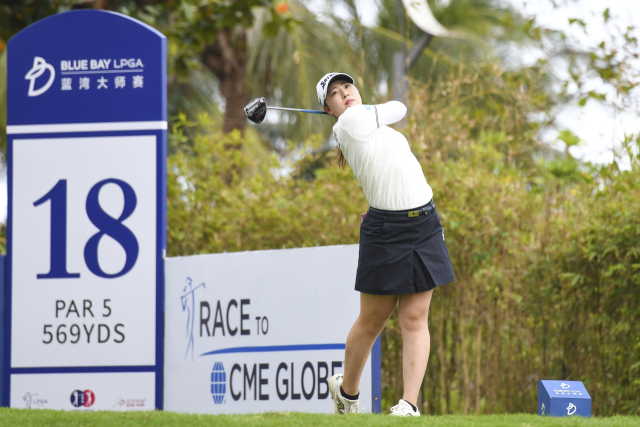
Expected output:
{"points": [[361, 121], [391, 112]]}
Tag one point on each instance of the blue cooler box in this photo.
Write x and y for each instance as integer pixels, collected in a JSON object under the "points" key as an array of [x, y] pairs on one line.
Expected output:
{"points": [[563, 399]]}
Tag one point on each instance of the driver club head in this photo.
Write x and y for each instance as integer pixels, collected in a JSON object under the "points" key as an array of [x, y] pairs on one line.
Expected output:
{"points": [[256, 110]]}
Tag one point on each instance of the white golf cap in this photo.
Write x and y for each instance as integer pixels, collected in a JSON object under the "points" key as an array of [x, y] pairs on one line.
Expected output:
{"points": [[323, 84]]}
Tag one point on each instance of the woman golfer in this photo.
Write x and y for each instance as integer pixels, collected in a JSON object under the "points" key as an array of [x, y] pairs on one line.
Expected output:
{"points": [[403, 256]]}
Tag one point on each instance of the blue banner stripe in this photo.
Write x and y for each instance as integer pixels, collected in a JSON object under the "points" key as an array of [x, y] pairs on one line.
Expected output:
{"points": [[376, 376], [2, 323], [302, 347], [82, 369]]}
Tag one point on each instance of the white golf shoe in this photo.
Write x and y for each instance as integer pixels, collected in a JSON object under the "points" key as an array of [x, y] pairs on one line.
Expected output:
{"points": [[403, 409], [341, 404]]}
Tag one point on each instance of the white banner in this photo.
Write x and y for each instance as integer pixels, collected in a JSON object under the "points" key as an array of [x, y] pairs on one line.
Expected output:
{"points": [[259, 331]]}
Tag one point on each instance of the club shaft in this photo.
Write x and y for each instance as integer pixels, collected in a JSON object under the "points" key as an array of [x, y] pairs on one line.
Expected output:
{"points": [[297, 109]]}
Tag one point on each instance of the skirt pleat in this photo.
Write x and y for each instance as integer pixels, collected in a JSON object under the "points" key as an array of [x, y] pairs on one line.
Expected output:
{"points": [[402, 255]]}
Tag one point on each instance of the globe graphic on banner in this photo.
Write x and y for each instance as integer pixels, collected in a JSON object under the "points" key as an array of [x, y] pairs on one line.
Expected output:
{"points": [[218, 383]]}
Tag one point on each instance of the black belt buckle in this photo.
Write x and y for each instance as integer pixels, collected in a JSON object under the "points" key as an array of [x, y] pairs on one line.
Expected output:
{"points": [[427, 209]]}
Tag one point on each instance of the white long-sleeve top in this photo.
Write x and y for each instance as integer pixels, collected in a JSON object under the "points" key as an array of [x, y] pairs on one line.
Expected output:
{"points": [[380, 157]]}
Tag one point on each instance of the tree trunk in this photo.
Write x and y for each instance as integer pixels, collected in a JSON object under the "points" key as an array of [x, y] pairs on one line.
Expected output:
{"points": [[478, 367], [227, 58]]}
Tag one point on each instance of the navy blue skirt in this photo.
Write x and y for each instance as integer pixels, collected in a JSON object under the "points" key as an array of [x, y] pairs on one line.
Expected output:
{"points": [[402, 255]]}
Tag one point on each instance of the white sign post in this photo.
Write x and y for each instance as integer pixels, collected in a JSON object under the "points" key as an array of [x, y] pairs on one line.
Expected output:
{"points": [[87, 214]]}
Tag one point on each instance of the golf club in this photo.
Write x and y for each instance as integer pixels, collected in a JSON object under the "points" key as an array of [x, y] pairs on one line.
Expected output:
{"points": [[256, 110]]}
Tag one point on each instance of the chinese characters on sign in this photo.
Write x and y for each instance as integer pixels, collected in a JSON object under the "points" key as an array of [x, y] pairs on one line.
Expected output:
{"points": [[120, 82]]}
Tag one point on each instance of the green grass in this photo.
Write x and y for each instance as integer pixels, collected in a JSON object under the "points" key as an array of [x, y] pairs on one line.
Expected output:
{"points": [[42, 418]]}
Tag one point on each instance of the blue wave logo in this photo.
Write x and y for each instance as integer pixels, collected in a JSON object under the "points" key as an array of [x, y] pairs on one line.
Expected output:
{"points": [[218, 383]]}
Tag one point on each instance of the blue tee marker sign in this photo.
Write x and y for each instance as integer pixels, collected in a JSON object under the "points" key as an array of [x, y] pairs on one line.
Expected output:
{"points": [[563, 399], [87, 214]]}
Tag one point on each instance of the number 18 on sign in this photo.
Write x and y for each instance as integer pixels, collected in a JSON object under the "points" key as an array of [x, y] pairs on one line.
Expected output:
{"points": [[87, 221]]}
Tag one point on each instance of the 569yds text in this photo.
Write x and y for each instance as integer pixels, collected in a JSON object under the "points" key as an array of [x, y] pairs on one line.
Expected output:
{"points": [[73, 333]]}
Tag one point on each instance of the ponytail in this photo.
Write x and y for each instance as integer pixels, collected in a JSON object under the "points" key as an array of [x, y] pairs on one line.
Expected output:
{"points": [[342, 162]]}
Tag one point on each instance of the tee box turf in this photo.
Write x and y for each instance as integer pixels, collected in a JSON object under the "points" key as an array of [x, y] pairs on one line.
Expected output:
{"points": [[563, 399]]}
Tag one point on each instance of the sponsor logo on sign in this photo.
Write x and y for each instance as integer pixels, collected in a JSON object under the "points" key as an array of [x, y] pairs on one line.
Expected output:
{"points": [[188, 301], [129, 403], [84, 398], [542, 409], [87, 67], [33, 401], [563, 390], [218, 383], [326, 79], [40, 66], [571, 409]]}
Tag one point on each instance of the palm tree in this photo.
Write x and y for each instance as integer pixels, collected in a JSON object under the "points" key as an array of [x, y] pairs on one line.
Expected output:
{"points": [[479, 26], [286, 66]]}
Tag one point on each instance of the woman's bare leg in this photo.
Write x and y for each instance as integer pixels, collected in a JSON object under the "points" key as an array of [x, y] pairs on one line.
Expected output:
{"points": [[413, 313], [375, 311]]}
